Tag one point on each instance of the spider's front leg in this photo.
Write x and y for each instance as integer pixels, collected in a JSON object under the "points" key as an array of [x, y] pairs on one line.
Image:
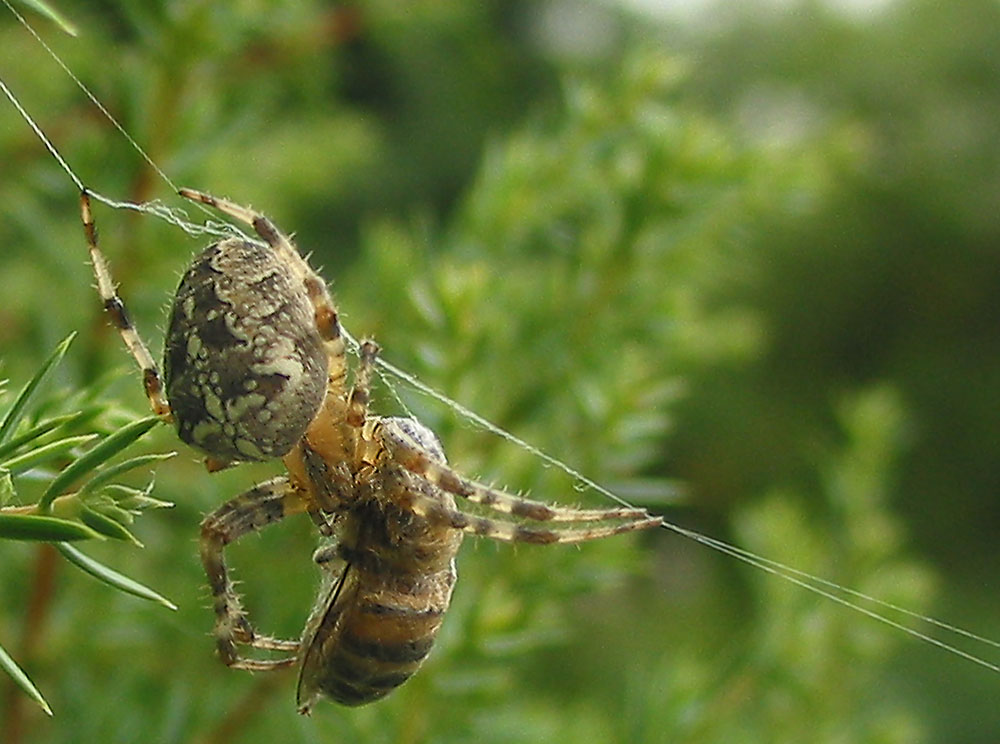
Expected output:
{"points": [[262, 505], [357, 402], [325, 313], [115, 308]]}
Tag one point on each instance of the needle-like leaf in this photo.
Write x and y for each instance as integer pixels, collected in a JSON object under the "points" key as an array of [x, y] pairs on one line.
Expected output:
{"points": [[13, 416], [22, 680], [111, 577]]}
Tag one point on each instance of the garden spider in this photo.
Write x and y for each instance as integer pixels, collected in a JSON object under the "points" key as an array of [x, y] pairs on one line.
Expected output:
{"points": [[254, 369]]}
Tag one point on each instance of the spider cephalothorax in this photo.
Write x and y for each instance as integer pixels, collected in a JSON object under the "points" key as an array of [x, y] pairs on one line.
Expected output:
{"points": [[254, 369]]}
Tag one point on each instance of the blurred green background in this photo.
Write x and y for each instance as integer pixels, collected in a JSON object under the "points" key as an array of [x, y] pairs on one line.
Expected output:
{"points": [[738, 261]]}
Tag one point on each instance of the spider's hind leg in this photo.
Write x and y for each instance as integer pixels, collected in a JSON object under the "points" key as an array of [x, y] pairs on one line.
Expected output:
{"points": [[115, 308], [259, 507]]}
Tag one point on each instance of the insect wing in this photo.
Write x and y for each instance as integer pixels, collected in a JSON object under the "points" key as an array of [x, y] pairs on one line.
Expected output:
{"points": [[337, 593]]}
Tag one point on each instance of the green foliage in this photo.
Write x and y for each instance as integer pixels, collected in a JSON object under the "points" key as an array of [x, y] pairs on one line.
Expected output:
{"points": [[616, 259], [52, 13], [34, 438]]}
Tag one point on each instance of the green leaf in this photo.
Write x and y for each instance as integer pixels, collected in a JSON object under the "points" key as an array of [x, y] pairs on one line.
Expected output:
{"points": [[7, 491], [106, 474], [107, 449], [16, 411], [42, 528], [135, 500], [21, 680], [111, 509], [107, 526], [38, 431], [46, 452], [111, 577], [43, 8]]}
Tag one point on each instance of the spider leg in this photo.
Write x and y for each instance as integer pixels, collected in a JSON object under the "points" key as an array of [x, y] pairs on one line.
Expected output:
{"points": [[327, 320], [252, 510], [357, 405], [437, 512], [413, 457], [115, 308]]}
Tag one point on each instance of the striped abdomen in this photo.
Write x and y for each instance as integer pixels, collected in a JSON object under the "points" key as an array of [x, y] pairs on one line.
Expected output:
{"points": [[372, 634], [375, 621]]}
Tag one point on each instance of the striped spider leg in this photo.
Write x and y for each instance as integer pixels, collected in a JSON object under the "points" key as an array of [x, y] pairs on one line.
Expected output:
{"points": [[252, 350], [115, 308], [408, 453]]}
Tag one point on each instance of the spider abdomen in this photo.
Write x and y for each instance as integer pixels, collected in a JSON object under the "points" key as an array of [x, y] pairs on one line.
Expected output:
{"points": [[244, 365]]}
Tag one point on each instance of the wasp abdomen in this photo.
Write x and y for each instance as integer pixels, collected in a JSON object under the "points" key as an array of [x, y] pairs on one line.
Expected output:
{"points": [[374, 636]]}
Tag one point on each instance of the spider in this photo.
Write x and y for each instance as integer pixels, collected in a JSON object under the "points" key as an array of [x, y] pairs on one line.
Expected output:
{"points": [[255, 368]]}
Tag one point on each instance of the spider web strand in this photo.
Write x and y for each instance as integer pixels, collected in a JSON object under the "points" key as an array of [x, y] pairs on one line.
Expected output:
{"points": [[177, 217], [795, 576], [788, 572], [37, 130], [173, 215], [803, 579], [93, 99]]}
